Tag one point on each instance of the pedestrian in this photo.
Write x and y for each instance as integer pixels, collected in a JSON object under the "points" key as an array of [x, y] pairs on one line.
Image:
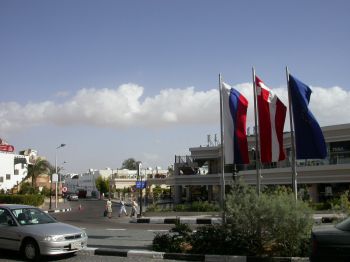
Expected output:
{"points": [[122, 208], [109, 208], [134, 206]]}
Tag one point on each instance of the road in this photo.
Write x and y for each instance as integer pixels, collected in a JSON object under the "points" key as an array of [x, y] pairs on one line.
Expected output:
{"points": [[116, 232], [103, 232]]}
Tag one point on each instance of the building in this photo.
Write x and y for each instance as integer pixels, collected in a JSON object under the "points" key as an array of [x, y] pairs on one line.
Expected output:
{"points": [[120, 179], [14, 168], [319, 179]]}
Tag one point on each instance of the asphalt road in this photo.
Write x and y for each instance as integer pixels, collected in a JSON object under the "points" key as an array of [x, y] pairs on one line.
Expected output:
{"points": [[103, 232], [116, 232]]}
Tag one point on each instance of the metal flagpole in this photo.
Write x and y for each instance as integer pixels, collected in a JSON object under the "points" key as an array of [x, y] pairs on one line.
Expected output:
{"points": [[222, 154], [294, 172], [257, 147]]}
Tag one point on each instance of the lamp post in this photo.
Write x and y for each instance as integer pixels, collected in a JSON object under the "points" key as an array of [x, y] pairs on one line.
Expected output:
{"points": [[56, 195], [110, 184], [140, 185]]}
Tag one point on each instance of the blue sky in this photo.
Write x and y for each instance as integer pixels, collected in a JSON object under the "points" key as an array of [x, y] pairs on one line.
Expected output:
{"points": [[120, 79]]}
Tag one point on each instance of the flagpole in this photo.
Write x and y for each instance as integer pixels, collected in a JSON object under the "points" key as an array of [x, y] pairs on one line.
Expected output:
{"points": [[257, 147], [294, 172], [222, 153]]}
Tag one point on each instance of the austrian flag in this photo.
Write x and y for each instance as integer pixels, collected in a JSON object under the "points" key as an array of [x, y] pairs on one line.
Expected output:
{"points": [[272, 115]]}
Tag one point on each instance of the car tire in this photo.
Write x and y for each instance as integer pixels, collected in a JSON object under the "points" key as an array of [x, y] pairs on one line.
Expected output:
{"points": [[30, 250]]}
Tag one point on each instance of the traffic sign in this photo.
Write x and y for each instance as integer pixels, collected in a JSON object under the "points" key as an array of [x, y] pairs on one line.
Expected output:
{"points": [[64, 189], [140, 184]]}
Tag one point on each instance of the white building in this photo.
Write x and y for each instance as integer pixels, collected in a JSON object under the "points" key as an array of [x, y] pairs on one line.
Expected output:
{"points": [[13, 169], [120, 179]]}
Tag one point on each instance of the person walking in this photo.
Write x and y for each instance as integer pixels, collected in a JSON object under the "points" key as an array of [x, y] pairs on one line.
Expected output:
{"points": [[122, 208], [109, 208], [134, 206]]}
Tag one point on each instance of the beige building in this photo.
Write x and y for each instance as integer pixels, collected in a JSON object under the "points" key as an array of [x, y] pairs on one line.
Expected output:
{"points": [[320, 179]]}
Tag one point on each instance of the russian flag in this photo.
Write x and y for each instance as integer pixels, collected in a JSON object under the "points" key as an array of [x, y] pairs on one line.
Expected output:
{"points": [[234, 124], [272, 115]]}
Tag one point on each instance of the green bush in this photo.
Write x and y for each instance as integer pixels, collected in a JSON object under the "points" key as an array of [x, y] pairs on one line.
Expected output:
{"points": [[272, 224], [217, 239], [197, 206], [33, 200], [177, 241]]}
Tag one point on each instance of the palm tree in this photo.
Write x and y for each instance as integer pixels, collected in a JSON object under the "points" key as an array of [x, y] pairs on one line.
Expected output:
{"points": [[39, 167]]}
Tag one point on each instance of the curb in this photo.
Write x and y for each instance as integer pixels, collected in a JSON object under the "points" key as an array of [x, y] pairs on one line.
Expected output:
{"points": [[188, 257], [173, 220], [58, 210], [210, 221]]}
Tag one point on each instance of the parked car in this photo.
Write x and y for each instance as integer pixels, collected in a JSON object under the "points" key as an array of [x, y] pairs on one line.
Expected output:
{"points": [[33, 232], [331, 242], [73, 197]]}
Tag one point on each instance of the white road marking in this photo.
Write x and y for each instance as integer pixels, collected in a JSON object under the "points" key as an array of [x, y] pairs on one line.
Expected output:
{"points": [[116, 229]]}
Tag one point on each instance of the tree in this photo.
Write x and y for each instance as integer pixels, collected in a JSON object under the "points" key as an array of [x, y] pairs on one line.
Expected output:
{"points": [[130, 164], [39, 167], [102, 184]]}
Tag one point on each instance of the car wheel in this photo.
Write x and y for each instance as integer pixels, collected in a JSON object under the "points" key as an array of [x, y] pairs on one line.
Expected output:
{"points": [[31, 250]]}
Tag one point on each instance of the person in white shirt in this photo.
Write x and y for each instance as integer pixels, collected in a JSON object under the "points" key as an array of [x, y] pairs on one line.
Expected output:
{"points": [[122, 209], [134, 206], [109, 208]]}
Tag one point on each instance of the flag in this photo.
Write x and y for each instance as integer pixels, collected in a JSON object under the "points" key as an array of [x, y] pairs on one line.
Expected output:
{"points": [[234, 120], [309, 140], [272, 115]]}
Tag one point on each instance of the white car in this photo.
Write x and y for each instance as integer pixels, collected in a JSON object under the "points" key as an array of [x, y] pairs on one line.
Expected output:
{"points": [[33, 232], [73, 197]]}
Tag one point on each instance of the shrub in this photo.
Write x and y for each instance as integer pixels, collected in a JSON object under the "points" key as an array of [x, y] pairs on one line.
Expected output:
{"points": [[27, 188], [197, 206], [177, 241], [33, 200], [216, 239], [272, 224]]}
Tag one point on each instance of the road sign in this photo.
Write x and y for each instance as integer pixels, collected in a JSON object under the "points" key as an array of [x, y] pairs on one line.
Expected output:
{"points": [[64, 189], [55, 177], [140, 184]]}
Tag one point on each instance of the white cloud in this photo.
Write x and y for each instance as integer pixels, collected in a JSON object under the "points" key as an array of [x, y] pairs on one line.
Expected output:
{"points": [[124, 107]]}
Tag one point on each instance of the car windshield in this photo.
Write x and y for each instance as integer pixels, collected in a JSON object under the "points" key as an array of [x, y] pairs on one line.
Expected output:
{"points": [[31, 216], [344, 225]]}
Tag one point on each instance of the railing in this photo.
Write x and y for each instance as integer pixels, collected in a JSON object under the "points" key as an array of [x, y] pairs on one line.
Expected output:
{"points": [[333, 159], [184, 159]]}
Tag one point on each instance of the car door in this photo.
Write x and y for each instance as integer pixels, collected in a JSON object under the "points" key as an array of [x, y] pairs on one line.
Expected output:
{"points": [[9, 237]]}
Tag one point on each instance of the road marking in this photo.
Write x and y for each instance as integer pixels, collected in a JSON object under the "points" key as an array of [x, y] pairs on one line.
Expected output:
{"points": [[157, 230], [116, 229]]}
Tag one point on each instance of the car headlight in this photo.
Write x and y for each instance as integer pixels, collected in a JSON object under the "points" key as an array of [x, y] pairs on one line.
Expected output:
{"points": [[54, 238], [83, 235]]}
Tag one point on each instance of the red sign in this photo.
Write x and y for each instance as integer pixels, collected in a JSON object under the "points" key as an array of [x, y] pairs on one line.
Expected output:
{"points": [[64, 189], [7, 148]]}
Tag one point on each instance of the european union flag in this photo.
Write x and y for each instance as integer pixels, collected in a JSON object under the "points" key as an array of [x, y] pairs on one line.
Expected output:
{"points": [[309, 140]]}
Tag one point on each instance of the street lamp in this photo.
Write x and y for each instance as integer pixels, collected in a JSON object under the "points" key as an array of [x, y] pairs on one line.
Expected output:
{"points": [[56, 178], [139, 164]]}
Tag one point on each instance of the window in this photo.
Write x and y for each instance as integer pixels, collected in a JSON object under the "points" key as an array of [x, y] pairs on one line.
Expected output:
{"points": [[8, 176], [1, 179], [16, 171]]}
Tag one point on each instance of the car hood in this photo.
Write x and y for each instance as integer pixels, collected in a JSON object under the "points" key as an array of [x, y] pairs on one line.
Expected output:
{"points": [[51, 229]]}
